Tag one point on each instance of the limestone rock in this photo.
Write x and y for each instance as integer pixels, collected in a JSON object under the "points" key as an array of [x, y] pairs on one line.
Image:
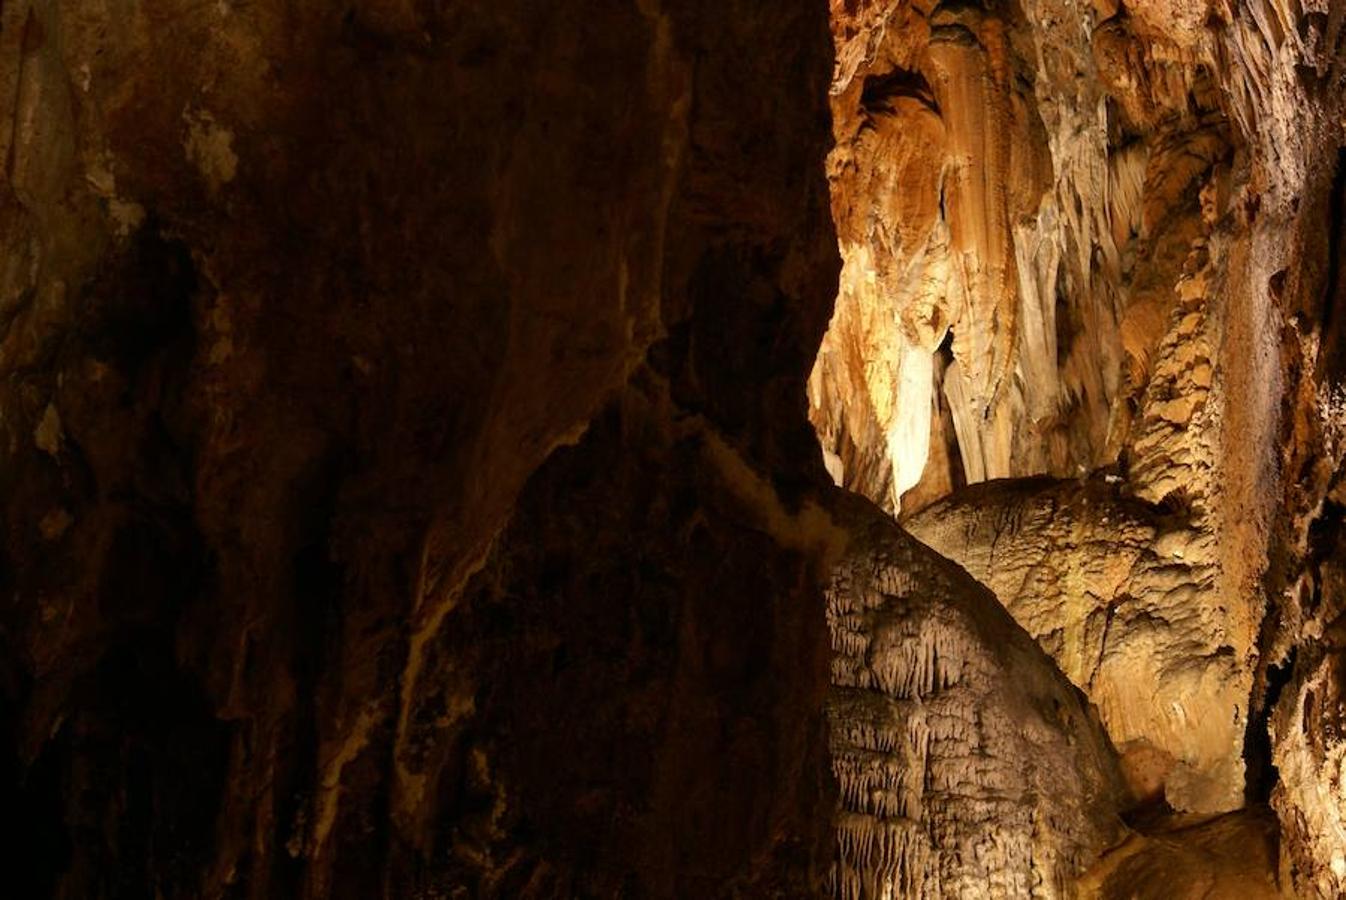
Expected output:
{"points": [[1309, 736], [968, 765], [1115, 590], [1191, 858], [1305, 675], [1168, 175], [407, 472]]}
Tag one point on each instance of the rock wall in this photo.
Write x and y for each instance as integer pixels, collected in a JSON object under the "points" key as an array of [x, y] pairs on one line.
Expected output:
{"points": [[1301, 674], [296, 300], [1058, 166], [407, 474]]}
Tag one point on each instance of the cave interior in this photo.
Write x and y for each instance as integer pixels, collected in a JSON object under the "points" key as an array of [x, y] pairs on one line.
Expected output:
{"points": [[870, 449]]}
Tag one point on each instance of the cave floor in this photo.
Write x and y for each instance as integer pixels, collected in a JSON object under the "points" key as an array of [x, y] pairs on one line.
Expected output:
{"points": [[1175, 856]]}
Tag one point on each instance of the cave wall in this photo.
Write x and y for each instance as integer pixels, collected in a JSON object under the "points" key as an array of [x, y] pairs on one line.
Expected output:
{"points": [[1123, 169], [297, 299], [1101, 239], [1300, 688]]}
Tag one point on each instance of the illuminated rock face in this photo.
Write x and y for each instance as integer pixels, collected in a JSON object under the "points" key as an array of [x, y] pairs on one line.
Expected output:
{"points": [[972, 235], [1121, 579], [1030, 198], [1112, 588], [407, 474], [968, 765], [1112, 252]]}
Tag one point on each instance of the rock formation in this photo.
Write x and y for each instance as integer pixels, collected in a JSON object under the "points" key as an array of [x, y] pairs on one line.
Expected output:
{"points": [[1190, 858], [1302, 674], [1113, 589], [967, 764], [297, 299], [409, 446], [1102, 239]]}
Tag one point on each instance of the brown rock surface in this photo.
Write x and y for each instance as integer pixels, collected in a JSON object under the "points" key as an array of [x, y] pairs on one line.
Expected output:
{"points": [[1226, 857], [408, 480], [296, 300], [1303, 675]]}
